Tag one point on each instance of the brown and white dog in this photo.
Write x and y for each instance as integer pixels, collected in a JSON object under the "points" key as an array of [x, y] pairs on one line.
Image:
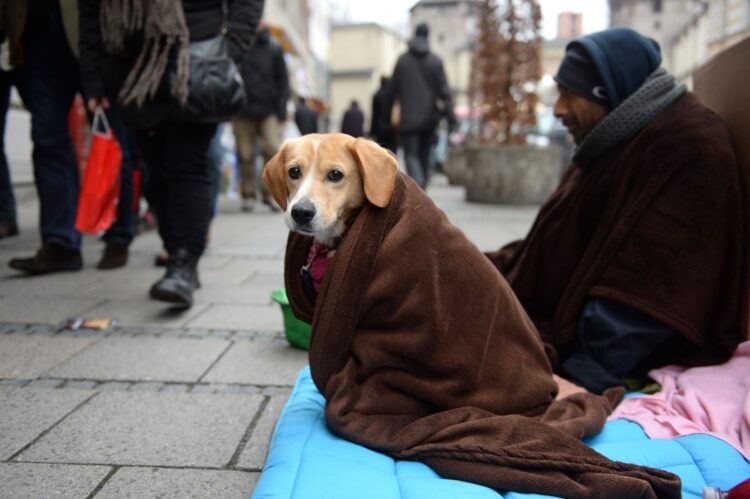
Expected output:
{"points": [[321, 180]]}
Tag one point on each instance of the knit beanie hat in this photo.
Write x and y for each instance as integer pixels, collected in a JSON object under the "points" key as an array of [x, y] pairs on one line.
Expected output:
{"points": [[578, 73], [623, 59]]}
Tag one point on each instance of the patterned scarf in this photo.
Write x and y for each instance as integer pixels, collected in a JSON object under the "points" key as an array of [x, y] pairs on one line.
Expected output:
{"points": [[163, 25], [657, 93]]}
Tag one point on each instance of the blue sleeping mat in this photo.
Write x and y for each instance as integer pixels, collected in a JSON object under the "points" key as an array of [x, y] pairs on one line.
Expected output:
{"points": [[305, 461]]}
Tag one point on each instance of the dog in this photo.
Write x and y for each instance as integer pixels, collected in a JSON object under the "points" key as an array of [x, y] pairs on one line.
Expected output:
{"points": [[321, 181]]}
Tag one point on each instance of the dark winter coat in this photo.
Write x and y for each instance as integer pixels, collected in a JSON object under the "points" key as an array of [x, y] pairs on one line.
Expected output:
{"points": [[353, 122], [419, 84], [266, 80], [306, 119], [653, 225], [380, 126]]}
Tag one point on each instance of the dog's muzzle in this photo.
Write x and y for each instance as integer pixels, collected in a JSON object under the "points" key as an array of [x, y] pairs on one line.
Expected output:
{"points": [[303, 213]]}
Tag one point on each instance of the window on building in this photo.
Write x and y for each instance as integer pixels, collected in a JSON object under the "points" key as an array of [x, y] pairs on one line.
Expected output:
{"points": [[656, 5]]}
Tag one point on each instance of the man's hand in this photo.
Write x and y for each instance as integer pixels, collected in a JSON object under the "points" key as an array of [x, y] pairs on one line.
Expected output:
{"points": [[95, 102]]}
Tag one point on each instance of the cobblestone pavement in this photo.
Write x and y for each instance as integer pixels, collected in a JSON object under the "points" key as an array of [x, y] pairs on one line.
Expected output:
{"points": [[165, 403]]}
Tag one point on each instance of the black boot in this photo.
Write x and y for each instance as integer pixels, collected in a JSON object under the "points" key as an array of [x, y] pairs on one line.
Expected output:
{"points": [[180, 281]]}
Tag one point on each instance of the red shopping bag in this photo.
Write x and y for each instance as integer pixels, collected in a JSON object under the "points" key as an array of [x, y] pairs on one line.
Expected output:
{"points": [[97, 202]]}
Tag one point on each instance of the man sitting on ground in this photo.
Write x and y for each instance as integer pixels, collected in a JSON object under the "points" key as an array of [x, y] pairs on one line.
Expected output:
{"points": [[633, 262]]}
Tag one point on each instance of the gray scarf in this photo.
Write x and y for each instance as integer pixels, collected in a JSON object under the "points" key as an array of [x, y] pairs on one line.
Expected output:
{"points": [[163, 25], [656, 94]]}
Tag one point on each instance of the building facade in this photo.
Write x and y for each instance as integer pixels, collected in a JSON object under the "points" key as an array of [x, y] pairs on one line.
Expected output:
{"points": [[688, 31], [569, 25], [303, 28], [721, 24]]}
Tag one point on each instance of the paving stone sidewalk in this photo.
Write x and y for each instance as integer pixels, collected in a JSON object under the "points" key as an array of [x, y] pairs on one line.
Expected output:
{"points": [[165, 403]]}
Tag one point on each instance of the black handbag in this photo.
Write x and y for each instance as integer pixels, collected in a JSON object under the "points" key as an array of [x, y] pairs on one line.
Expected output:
{"points": [[216, 91]]}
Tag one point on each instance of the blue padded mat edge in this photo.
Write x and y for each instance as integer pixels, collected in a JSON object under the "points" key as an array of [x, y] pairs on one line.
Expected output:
{"points": [[306, 461]]}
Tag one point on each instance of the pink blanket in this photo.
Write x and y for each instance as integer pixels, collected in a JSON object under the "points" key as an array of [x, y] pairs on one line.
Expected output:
{"points": [[713, 400]]}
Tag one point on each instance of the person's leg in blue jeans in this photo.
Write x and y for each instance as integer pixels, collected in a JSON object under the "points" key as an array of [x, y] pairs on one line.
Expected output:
{"points": [[120, 235], [8, 222], [425, 146], [47, 82], [411, 144]]}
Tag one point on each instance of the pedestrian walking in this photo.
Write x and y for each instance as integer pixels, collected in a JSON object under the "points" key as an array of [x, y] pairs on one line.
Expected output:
{"points": [[421, 88], [353, 121], [47, 78], [305, 118], [267, 90], [381, 129], [142, 48]]}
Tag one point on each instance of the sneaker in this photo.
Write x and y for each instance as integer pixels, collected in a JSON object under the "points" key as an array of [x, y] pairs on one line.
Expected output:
{"points": [[114, 256], [248, 205], [179, 282], [50, 258]]}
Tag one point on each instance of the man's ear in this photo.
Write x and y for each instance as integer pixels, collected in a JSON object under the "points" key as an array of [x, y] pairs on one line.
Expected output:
{"points": [[274, 176], [378, 167]]}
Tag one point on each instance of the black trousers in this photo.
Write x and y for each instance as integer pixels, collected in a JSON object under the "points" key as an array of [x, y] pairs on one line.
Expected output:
{"points": [[180, 182]]}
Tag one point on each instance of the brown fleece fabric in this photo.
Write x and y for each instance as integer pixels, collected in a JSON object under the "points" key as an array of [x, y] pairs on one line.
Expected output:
{"points": [[422, 352], [655, 225]]}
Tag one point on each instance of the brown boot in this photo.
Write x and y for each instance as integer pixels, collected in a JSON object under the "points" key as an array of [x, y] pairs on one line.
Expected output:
{"points": [[49, 258], [114, 256]]}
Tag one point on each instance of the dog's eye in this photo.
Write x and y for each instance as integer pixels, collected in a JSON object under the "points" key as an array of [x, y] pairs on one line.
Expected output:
{"points": [[335, 175], [295, 172]]}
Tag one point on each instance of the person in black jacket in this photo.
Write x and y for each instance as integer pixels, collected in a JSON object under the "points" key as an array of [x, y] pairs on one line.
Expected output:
{"points": [[126, 47], [420, 86], [381, 129], [305, 118], [353, 121], [267, 90]]}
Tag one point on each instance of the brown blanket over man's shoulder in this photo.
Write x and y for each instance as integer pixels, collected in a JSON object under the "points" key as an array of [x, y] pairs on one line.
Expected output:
{"points": [[656, 225], [422, 352]]}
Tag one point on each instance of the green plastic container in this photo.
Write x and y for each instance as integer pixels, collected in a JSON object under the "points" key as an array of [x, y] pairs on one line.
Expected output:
{"points": [[297, 331]]}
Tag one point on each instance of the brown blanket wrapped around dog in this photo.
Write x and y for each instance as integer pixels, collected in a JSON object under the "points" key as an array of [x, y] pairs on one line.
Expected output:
{"points": [[655, 226], [422, 352]]}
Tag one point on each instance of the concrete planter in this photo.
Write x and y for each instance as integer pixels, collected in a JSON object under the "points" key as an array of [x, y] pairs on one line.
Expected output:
{"points": [[455, 166], [508, 174]]}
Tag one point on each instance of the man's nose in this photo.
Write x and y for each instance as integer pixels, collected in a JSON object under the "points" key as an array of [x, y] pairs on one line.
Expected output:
{"points": [[560, 108]]}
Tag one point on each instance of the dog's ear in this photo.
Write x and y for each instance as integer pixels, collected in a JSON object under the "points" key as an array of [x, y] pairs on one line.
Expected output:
{"points": [[274, 176], [378, 167]]}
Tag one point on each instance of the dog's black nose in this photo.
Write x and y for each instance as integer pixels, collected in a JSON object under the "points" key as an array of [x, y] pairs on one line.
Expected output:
{"points": [[303, 213]]}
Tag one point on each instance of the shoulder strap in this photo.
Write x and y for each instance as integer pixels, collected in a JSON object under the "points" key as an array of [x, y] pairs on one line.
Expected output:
{"points": [[425, 76]]}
